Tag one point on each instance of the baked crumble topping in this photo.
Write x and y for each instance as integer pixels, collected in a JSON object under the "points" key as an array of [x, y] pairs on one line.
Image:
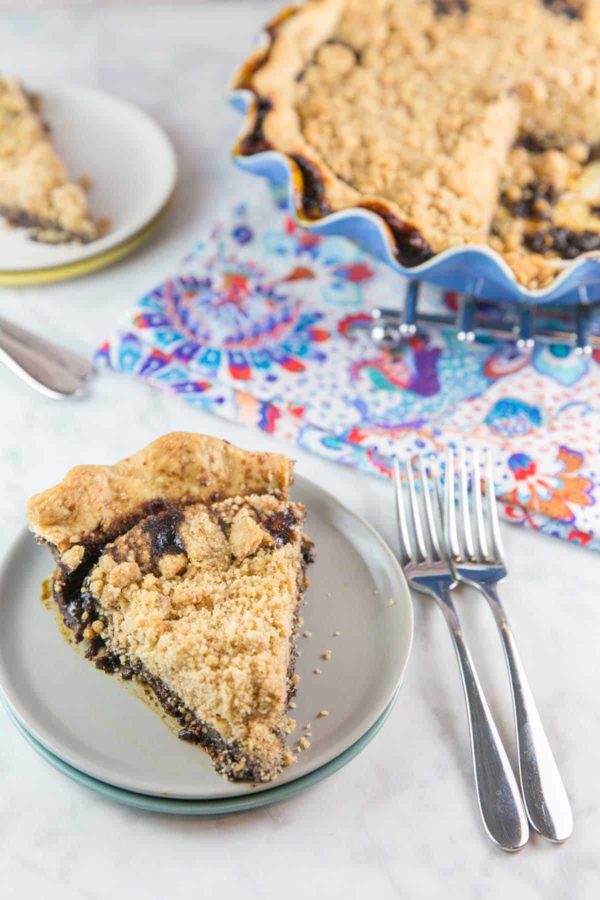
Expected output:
{"points": [[467, 122], [35, 189], [183, 566], [213, 620]]}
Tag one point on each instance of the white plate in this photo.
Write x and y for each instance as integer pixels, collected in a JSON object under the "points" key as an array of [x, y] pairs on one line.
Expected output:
{"points": [[92, 722], [128, 157]]}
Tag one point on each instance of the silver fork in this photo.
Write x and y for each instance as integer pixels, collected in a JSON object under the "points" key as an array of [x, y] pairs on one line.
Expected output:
{"points": [[428, 571], [480, 562], [51, 370]]}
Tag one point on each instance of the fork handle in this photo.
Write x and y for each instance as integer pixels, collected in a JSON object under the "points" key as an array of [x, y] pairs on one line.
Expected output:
{"points": [[497, 790], [544, 793], [38, 371]]}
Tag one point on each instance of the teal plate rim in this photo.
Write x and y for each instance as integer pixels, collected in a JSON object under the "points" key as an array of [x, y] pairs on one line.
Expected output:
{"points": [[216, 807]]}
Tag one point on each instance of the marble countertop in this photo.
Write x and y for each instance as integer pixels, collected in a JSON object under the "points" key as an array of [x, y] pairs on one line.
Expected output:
{"points": [[401, 820]]}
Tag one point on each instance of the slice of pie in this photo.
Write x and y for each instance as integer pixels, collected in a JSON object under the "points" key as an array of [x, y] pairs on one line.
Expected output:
{"points": [[35, 190], [183, 567], [456, 121]]}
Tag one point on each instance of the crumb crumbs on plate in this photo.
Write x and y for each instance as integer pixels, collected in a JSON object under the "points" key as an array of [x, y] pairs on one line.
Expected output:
{"points": [[292, 705], [327, 655], [391, 602], [307, 634], [336, 633], [303, 743], [323, 713], [317, 671]]}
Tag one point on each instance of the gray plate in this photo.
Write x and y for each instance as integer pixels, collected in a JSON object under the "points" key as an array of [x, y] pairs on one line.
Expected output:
{"points": [[95, 725], [217, 806]]}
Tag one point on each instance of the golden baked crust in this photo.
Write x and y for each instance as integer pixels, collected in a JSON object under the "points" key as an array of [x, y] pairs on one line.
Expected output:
{"points": [[417, 108], [203, 602], [94, 503], [35, 190]]}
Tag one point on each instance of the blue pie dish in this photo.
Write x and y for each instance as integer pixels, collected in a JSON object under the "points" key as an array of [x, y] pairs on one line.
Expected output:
{"points": [[474, 270]]}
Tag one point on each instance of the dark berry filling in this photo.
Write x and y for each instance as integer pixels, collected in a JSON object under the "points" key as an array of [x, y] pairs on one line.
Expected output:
{"points": [[535, 201], [563, 242]]}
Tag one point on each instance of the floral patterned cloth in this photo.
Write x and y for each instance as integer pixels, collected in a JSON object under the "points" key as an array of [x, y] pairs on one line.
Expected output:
{"points": [[260, 325]]}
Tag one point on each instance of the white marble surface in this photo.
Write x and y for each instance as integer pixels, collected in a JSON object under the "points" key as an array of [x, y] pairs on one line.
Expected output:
{"points": [[401, 820]]}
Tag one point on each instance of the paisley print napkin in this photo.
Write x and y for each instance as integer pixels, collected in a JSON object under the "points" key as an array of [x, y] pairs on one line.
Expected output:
{"points": [[261, 324]]}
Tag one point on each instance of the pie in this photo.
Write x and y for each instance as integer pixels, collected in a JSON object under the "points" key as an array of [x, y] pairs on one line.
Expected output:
{"points": [[183, 567], [457, 121], [35, 190]]}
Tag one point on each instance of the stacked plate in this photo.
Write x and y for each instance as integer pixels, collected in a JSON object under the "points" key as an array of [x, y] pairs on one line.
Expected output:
{"points": [[101, 735], [132, 167]]}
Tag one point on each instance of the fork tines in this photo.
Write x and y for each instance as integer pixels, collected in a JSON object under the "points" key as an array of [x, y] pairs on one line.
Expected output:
{"points": [[416, 507], [471, 529]]}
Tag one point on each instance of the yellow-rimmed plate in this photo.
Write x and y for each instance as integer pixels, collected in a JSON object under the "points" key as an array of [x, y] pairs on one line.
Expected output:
{"points": [[84, 266], [132, 166]]}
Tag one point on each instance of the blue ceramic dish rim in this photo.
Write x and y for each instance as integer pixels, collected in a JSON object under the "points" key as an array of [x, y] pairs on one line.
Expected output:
{"points": [[205, 808], [475, 270]]}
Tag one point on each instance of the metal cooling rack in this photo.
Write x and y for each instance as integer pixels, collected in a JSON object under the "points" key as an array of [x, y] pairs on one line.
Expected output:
{"points": [[476, 320]]}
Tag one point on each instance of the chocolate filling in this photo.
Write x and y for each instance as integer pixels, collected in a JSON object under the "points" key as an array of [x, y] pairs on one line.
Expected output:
{"points": [[314, 201], [538, 142], [67, 584], [450, 7], [20, 218], [571, 9], [163, 531]]}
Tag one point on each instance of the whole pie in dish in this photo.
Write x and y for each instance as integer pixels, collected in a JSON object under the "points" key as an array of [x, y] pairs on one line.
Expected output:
{"points": [[457, 121], [35, 190], [183, 567]]}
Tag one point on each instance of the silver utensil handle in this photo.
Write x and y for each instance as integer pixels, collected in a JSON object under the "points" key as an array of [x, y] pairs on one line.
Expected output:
{"points": [[498, 794], [76, 364], [544, 793], [39, 372]]}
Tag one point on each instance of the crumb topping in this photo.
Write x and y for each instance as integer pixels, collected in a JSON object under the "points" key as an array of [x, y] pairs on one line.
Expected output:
{"points": [[73, 557], [439, 108], [213, 622]]}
